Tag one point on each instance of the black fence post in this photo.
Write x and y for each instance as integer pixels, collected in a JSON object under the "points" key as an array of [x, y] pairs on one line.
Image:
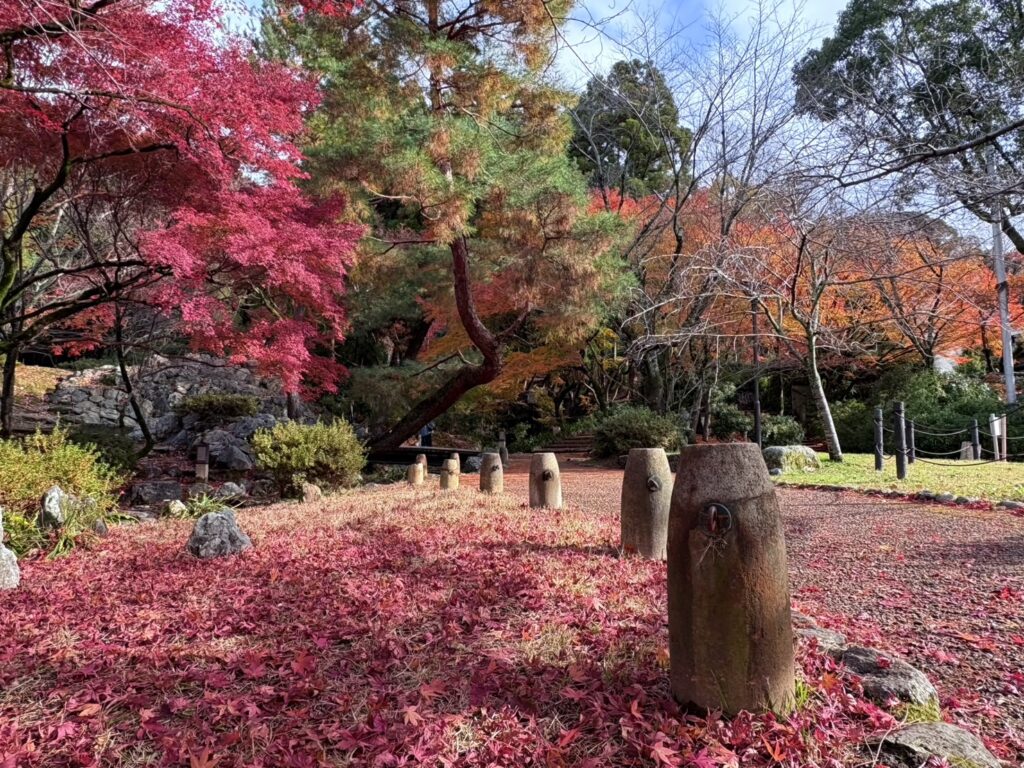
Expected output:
{"points": [[911, 447], [975, 440], [879, 439], [899, 429]]}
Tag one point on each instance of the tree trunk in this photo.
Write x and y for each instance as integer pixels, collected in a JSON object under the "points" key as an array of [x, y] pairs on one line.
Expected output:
{"points": [[126, 380], [835, 452], [7, 392], [468, 376]]}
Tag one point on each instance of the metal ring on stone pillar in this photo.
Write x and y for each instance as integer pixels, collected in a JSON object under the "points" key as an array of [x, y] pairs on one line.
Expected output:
{"points": [[715, 520], [547, 475], [653, 484]]}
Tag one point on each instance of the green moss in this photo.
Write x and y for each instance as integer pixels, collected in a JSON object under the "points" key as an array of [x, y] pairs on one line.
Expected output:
{"points": [[920, 713]]}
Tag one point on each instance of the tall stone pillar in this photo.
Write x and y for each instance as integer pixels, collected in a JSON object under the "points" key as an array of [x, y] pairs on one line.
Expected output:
{"points": [[492, 474], [730, 630], [545, 481], [646, 498]]}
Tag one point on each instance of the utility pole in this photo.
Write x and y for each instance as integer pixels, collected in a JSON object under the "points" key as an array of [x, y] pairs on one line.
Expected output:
{"points": [[1002, 288]]}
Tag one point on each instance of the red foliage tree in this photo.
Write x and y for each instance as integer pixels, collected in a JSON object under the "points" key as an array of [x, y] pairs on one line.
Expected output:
{"points": [[146, 150]]}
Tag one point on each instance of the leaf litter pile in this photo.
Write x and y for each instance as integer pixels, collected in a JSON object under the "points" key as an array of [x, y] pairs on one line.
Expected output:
{"points": [[396, 627]]}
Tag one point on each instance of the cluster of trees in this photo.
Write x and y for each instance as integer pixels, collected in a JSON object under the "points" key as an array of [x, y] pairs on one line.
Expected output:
{"points": [[729, 210]]}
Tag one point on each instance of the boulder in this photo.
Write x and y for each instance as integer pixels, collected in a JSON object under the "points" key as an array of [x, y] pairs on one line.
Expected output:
{"points": [[226, 450], [156, 491], [229, 491], [247, 426], [886, 677], [99, 527], [790, 458], [311, 493], [473, 464], [217, 534], [918, 744], [198, 490], [10, 573], [826, 639], [176, 508], [52, 507]]}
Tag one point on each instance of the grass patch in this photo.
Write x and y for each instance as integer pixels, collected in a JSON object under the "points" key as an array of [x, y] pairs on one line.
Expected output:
{"points": [[35, 381], [997, 481]]}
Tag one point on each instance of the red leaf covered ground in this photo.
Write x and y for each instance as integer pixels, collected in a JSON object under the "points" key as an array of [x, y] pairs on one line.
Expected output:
{"points": [[397, 627]]}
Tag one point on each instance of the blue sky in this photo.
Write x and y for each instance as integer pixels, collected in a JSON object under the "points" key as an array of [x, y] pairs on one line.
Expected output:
{"points": [[594, 51]]}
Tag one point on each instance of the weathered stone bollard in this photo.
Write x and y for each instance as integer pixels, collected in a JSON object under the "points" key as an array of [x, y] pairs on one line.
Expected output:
{"points": [[502, 448], [492, 474], [414, 475], [545, 481], [730, 628], [449, 475], [646, 499], [458, 462], [421, 458]]}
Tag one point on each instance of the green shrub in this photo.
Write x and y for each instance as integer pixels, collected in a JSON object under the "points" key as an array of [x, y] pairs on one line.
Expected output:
{"points": [[220, 407], [115, 446], [31, 467], [326, 454], [633, 426], [855, 426], [777, 429], [726, 417]]}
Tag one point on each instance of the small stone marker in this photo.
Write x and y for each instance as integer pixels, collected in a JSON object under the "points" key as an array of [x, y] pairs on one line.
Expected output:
{"points": [[217, 534], [730, 629], [450, 475], [421, 458], [545, 481], [202, 466], [10, 573], [502, 448], [458, 462], [646, 499], [414, 474], [492, 473]]}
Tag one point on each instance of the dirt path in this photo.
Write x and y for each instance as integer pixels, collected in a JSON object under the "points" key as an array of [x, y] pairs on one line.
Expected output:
{"points": [[942, 586]]}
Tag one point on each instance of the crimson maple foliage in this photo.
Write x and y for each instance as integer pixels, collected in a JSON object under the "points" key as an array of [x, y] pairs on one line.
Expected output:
{"points": [[147, 151]]}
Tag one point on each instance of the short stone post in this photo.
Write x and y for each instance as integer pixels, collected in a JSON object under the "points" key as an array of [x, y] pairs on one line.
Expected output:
{"points": [[202, 462], [646, 498], [458, 462], [545, 481], [502, 448], [492, 474], [414, 474], [730, 629], [421, 458], [975, 440], [450, 475]]}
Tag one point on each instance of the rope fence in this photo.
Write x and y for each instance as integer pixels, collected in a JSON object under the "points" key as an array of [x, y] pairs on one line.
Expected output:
{"points": [[904, 433]]}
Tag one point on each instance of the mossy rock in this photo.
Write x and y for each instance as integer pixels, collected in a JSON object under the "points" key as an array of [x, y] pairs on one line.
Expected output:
{"points": [[791, 458]]}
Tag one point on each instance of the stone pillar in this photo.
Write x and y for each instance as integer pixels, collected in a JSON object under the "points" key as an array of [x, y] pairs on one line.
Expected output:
{"points": [[545, 481], [414, 474], [502, 448], [421, 458], [492, 474], [730, 629], [458, 462], [646, 498], [449, 475]]}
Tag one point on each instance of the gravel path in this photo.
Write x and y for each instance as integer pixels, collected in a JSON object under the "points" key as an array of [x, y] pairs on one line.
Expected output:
{"points": [[942, 586]]}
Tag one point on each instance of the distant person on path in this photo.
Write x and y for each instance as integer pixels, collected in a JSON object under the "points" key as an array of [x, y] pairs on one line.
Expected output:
{"points": [[427, 435]]}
